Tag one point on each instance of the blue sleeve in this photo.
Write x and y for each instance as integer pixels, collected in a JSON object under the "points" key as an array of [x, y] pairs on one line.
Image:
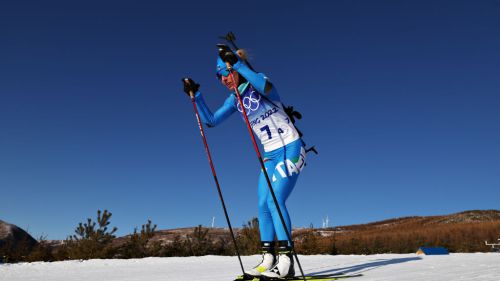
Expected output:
{"points": [[258, 80], [214, 119]]}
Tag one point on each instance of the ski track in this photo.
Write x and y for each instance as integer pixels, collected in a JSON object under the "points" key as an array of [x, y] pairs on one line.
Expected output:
{"points": [[386, 267]]}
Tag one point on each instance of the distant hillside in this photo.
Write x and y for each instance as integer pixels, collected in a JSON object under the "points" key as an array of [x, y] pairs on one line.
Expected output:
{"points": [[460, 232], [421, 222], [168, 236], [13, 239], [466, 217]]}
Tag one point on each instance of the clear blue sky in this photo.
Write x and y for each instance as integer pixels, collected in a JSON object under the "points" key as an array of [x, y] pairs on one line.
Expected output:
{"points": [[401, 98]]}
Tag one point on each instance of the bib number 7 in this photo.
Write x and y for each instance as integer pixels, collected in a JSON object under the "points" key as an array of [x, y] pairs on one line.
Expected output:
{"points": [[268, 131]]}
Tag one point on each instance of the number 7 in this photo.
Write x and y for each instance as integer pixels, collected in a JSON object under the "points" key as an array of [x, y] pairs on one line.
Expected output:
{"points": [[266, 128]]}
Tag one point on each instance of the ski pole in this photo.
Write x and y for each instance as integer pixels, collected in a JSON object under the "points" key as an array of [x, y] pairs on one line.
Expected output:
{"points": [[231, 39], [207, 150], [264, 168]]}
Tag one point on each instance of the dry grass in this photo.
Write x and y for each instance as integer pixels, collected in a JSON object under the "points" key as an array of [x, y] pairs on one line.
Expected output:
{"points": [[462, 232]]}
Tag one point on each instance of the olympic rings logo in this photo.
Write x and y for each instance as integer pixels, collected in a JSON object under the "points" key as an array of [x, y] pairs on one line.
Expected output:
{"points": [[250, 102]]}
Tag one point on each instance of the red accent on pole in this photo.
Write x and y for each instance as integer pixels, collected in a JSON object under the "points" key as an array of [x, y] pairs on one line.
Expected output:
{"points": [[207, 150]]}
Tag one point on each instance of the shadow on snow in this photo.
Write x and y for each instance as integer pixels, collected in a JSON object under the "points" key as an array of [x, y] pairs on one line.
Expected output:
{"points": [[364, 267]]}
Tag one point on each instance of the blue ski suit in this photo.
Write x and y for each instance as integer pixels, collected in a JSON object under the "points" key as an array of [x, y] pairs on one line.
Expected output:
{"points": [[284, 153]]}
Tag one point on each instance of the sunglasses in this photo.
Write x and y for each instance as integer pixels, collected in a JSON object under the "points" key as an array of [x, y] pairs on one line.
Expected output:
{"points": [[222, 72]]}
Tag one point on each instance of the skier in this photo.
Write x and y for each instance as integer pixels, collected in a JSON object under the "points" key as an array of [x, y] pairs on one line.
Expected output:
{"points": [[284, 153]]}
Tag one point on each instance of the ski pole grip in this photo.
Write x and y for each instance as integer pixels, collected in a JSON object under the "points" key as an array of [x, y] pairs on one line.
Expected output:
{"points": [[191, 94]]}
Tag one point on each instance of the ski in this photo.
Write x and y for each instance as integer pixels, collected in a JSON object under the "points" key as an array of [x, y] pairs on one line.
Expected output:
{"points": [[313, 277], [245, 278], [299, 278]]}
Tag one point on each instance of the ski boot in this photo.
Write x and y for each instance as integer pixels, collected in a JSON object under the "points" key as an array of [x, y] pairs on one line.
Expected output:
{"points": [[268, 259], [283, 268]]}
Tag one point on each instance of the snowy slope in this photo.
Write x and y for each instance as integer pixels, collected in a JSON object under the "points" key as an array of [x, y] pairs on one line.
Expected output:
{"points": [[387, 267]]}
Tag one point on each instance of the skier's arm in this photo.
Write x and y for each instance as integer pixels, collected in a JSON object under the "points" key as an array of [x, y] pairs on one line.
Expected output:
{"points": [[258, 80], [213, 119]]}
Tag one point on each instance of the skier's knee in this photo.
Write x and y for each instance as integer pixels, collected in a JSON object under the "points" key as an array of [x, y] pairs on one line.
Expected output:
{"points": [[263, 205], [272, 205]]}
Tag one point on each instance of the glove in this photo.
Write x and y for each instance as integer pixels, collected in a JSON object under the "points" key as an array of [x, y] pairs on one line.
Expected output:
{"points": [[226, 54], [190, 86]]}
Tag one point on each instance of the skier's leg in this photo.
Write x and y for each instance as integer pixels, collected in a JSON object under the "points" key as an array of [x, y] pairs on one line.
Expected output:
{"points": [[290, 163], [282, 189], [266, 227], [284, 179]]}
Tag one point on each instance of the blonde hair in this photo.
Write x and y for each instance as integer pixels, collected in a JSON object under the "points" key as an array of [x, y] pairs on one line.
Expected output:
{"points": [[242, 54]]}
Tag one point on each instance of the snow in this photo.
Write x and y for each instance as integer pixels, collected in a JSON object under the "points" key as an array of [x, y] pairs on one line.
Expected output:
{"points": [[386, 267]]}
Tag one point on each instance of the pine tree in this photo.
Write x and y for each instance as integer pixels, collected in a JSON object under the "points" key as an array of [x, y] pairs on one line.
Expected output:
{"points": [[41, 252], [137, 245], [92, 239], [198, 241], [249, 238]]}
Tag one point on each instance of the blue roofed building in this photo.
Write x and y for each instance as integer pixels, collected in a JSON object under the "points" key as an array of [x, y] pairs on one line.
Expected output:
{"points": [[432, 251]]}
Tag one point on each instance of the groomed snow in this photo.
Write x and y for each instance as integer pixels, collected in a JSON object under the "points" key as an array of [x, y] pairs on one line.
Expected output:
{"points": [[386, 267]]}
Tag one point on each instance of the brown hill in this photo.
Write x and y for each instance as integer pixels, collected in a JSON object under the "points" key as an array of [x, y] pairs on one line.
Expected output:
{"points": [[167, 236], [460, 232], [421, 222], [13, 235], [466, 217], [14, 239]]}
